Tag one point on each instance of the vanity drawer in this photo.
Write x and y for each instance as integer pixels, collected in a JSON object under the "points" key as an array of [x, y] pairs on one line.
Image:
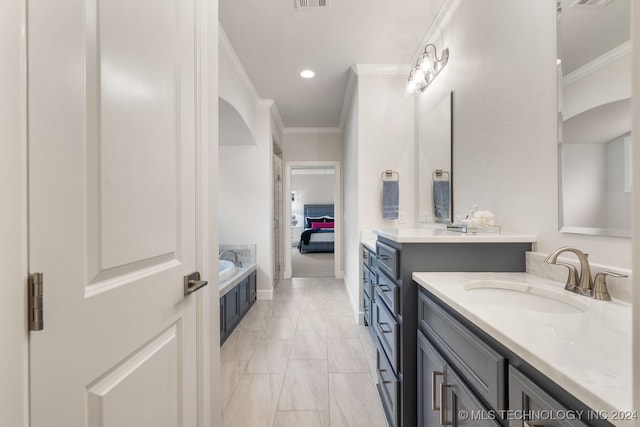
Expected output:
{"points": [[483, 367], [388, 292], [388, 387], [527, 397], [388, 333], [388, 258], [368, 258]]}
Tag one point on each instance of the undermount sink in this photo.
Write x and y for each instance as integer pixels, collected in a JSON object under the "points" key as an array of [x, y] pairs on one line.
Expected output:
{"points": [[523, 296], [226, 269]]}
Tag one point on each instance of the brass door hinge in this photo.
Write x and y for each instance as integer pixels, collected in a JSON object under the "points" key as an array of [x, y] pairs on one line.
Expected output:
{"points": [[36, 293]]}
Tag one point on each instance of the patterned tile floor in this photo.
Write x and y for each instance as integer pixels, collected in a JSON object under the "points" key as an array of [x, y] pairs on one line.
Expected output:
{"points": [[300, 360]]}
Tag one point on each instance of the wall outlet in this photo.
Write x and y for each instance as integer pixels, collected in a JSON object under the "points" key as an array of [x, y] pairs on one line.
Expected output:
{"points": [[401, 218]]}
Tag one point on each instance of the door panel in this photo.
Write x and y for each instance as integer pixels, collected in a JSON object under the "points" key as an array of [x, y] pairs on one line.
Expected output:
{"points": [[113, 206]]}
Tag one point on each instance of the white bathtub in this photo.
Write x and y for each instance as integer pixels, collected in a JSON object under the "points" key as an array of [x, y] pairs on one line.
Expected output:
{"points": [[226, 269]]}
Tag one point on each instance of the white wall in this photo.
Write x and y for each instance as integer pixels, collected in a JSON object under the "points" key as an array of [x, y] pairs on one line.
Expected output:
{"points": [[13, 216], [379, 134], [351, 200], [502, 69], [313, 145], [311, 189], [245, 198], [635, 37]]}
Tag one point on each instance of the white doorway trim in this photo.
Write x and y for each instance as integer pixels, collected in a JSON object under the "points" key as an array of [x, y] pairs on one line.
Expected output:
{"points": [[337, 209]]}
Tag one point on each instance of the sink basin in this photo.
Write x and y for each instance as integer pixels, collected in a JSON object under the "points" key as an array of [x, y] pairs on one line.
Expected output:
{"points": [[226, 269], [523, 296]]}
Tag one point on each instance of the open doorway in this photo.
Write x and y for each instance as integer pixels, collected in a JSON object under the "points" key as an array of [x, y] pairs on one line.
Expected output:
{"points": [[313, 207]]}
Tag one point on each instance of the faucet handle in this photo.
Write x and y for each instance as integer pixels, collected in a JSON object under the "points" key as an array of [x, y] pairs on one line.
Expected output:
{"points": [[600, 291], [572, 279]]}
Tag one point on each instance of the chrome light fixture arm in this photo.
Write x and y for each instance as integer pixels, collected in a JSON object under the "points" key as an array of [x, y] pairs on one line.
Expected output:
{"points": [[427, 67]]}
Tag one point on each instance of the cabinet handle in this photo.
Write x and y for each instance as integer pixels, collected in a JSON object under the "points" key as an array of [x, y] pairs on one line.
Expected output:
{"points": [[533, 424], [434, 404], [382, 376], [382, 330], [384, 257], [443, 414], [385, 288]]}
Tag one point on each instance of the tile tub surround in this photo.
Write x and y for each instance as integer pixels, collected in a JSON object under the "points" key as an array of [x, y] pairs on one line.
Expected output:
{"points": [[588, 354], [286, 362], [246, 253]]}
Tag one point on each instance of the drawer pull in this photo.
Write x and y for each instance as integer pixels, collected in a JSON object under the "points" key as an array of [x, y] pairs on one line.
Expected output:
{"points": [[434, 404], [382, 330], [533, 424], [382, 376], [385, 288], [443, 414], [384, 257]]}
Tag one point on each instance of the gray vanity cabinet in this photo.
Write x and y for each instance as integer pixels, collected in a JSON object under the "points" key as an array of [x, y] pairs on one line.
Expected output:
{"points": [[235, 304], [529, 398], [395, 313], [478, 381], [368, 284]]}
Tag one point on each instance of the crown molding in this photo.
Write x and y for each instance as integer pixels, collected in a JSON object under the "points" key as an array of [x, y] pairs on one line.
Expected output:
{"points": [[380, 69], [444, 16], [227, 50], [603, 60], [292, 130]]}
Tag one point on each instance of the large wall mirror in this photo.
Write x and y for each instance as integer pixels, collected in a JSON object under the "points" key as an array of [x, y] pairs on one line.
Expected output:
{"points": [[594, 117], [435, 177]]}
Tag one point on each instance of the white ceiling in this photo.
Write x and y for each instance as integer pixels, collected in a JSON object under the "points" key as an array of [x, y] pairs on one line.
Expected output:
{"points": [[275, 41]]}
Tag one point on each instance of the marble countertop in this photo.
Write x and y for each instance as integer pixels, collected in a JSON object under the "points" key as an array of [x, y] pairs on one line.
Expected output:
{"points": [[588, 354], [232, 281], [442, 235]]}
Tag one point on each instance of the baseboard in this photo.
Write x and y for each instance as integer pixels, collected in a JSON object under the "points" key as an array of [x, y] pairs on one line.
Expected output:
{"points": [[264, 294], [355, 307]]}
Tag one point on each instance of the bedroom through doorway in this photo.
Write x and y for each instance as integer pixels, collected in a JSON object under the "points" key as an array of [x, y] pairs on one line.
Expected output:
{"points": [[312, 210]]}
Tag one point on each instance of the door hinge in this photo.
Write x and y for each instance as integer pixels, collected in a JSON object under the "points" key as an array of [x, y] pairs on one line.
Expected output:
{"points": [[36, 293]]}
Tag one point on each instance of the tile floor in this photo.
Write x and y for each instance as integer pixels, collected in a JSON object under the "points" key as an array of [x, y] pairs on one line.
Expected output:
{"points": [[300, 360]]}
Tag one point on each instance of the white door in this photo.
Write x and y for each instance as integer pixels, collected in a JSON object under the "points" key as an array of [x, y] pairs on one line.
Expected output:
{"points": [[112, 205]]}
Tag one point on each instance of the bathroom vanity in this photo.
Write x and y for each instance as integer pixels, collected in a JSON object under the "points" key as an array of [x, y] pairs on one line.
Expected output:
{"points": [[237, 295], [390, 297], [513, 349]]}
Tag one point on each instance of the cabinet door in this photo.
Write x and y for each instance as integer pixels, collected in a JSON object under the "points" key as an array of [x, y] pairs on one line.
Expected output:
{"points": [[223, 322], [253, 288], [231, 309], [243, 296], [534, 403], [431, 371], [462, 407]]}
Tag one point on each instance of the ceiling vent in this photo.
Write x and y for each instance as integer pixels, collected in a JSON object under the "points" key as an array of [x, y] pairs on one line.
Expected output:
{"points": [[588, 3], [312, 4]]}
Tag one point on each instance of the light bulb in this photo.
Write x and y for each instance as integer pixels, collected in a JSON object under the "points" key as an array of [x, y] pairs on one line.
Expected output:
{"points": [[426, 62], [412, 88]]}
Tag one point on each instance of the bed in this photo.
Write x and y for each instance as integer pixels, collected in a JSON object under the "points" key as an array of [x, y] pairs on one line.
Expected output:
{"points": [[318, 234]]}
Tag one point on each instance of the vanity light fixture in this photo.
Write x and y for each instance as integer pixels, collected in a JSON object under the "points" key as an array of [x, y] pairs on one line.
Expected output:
{"points": [[307, 74], [426, 69]]}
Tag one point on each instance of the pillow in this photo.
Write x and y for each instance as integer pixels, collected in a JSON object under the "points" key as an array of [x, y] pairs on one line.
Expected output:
{"points": [[310, 219], [317, 225]]}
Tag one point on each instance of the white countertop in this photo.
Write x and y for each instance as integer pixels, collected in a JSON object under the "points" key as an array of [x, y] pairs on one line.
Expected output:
{"points": [[442, 235], [232, 281], [588, 354], [369, 243]]}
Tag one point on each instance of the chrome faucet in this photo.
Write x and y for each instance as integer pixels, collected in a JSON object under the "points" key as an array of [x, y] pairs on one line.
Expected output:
{"points": [[582, 284], [236, 260]]}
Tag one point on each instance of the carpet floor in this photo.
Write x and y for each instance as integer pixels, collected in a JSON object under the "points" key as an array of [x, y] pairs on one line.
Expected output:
{"points": [[312, 264]]}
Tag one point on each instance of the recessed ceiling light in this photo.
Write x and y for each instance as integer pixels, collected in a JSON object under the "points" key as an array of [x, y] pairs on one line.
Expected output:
{"points": [[307, 74]]}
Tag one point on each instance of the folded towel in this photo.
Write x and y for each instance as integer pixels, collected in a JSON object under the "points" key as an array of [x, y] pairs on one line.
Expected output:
{"points": [[390, 199], [441, 200]]}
